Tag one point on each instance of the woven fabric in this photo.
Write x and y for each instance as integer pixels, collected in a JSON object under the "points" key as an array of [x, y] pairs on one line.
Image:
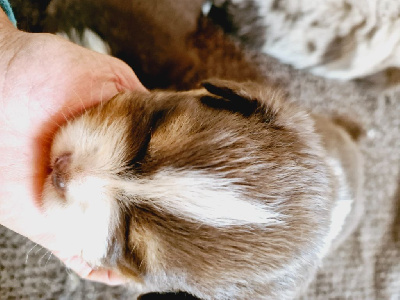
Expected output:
{"points": [[367, 266]]}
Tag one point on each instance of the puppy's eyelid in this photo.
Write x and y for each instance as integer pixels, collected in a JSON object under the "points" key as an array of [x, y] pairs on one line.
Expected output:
{"points": [[242, 106]]}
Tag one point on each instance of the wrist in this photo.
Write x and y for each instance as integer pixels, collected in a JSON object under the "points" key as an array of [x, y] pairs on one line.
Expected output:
{"points": [[6, 8], [5, 21]]}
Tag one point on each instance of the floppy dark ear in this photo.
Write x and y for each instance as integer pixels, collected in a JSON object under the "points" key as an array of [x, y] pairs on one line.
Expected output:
{"points": [[230, 95]]}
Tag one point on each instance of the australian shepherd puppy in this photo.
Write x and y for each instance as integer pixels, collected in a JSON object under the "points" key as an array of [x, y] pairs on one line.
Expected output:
{"points": [[225, 191]]}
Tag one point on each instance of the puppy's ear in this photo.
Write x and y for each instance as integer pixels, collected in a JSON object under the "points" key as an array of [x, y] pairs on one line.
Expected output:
{"points": [[231, 96]]}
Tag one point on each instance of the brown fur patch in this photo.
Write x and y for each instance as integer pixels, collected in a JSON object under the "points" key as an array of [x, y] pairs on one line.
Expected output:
{"points": [[272, 155]]}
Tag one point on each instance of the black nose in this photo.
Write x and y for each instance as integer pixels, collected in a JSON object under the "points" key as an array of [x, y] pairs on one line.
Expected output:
{"points": [[60, 172]]}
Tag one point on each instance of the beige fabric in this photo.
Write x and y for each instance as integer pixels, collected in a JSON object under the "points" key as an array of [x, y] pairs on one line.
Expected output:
{"points": [[367, 266]]}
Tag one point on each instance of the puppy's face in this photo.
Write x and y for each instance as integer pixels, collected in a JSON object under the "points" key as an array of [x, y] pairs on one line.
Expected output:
{"points": [[219, 192]]}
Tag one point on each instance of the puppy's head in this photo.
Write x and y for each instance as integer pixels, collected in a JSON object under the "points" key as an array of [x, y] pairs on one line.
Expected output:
{"points": [[221, 192]]}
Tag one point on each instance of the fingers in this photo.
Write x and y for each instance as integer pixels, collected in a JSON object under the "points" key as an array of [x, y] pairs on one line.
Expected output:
{"points": [[106, 276], [99, 275], [124, 77], [78, 266]]}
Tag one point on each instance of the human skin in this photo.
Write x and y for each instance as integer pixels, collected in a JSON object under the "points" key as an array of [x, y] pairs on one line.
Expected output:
{"points": [[45, 80]]}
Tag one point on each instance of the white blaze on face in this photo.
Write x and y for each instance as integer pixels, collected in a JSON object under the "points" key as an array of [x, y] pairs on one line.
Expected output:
{"points": [[87, 213], [84, 220], [203, 197]]}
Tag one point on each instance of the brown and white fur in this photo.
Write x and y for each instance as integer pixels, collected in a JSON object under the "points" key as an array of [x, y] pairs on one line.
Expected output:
{"points": [[224, 192]]}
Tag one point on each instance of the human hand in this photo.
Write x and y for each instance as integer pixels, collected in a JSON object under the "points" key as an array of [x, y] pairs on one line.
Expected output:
{"points": [[45, 80]]}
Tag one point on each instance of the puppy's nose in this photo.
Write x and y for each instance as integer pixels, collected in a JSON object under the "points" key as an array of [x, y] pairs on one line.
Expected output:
{"points": [[60, 172]]}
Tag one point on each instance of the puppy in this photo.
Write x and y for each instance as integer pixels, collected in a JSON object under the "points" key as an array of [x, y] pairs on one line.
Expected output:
{"points": [[224, 192]]}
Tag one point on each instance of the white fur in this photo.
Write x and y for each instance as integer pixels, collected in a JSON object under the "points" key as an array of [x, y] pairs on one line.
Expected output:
{"points": [[203, 197], [97, 148], [342, 207], [87, 39], [84, 221], [87, 213], [206, 7], [372, 25]]}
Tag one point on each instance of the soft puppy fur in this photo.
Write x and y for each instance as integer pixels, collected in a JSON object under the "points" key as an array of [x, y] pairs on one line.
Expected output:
{"points": [[225, 192]]}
